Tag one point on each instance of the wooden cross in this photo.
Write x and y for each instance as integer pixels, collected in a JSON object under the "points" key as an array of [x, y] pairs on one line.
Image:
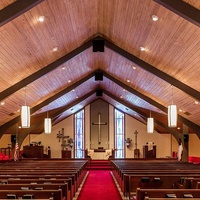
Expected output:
{"points": [[99, 123]]}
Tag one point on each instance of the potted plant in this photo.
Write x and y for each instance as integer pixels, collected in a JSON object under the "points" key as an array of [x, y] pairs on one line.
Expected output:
{"points": [[128, 141]]}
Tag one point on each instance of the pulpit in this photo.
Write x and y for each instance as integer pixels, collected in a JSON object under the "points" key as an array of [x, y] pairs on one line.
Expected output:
{"points": [[149, 152], [33, 151]]}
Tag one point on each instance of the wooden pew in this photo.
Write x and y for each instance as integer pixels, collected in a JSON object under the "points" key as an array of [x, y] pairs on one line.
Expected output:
{"points": [[132, 182], [38, 194], [129, 174], [50, 170], [43, 175], [47, 182], [143, 194], [52, 186]]}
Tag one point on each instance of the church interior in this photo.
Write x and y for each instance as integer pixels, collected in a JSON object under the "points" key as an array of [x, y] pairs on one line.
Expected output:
{"points": [[100, 85]]}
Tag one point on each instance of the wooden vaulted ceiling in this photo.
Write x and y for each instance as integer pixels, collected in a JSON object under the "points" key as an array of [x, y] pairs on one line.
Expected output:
{"points": [[134, 81]]}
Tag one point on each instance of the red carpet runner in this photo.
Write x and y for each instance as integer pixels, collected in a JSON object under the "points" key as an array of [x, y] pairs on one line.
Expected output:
{"points": [[99, 185]]}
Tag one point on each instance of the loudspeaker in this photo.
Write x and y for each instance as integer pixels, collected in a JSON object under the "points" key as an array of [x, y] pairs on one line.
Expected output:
{"points": [[98, 76], [186, 137], [13, 138], [98, 45], [99, 93]]}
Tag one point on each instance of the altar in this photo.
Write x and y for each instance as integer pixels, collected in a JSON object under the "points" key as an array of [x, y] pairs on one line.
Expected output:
{"points": [[99, 154]]}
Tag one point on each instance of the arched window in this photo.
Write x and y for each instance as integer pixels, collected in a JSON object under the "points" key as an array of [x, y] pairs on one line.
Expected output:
{"points": [[79, 134], [119, 134]]}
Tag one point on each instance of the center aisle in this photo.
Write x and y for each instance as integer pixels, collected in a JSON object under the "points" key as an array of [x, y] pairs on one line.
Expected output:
{"points": [[99, 185]]}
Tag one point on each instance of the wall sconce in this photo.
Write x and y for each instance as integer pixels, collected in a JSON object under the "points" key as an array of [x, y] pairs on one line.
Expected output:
{"points": [[172, 114], [25, 115], [128, 142]]}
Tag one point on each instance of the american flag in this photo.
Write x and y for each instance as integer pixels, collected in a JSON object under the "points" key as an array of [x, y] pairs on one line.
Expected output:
{"points": [[16, 151]]}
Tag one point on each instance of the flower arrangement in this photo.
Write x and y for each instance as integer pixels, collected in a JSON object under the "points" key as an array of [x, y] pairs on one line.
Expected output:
{"points": [[71, 142], [128, 141]]}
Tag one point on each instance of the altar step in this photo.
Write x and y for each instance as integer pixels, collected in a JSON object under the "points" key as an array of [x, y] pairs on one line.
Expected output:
{"points": [[99, 165]]}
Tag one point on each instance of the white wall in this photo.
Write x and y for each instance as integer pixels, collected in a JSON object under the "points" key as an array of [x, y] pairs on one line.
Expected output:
{"points": [[165, 143], [194, 145], [51, 139], [162, 141]]}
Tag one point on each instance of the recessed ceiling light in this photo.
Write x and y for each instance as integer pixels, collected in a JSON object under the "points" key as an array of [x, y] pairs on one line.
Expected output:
{"points": [[154, 18], [121, 97], [76, 97], [196, 102], [142, 48], [41, 18], [2, 103], [63, 67], [180, 110], [134, 67], [128, 81], [55, 49], [178, 128], [69, 81]]}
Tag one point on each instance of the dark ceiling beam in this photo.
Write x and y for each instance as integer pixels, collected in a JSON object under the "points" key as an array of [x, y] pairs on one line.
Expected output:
{"points": [[16, 9], [182, 9], [190, 124], [170, 130], [190, 91], [14, 88], [12, 122], [24, 134]]}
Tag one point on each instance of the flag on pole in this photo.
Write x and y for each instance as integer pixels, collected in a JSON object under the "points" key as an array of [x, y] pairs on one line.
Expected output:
{"points": [[16, 151]]}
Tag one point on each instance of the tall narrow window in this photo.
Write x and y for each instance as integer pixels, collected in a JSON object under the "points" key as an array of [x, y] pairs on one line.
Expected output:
{"points": [[119, 134], [79, 134]]}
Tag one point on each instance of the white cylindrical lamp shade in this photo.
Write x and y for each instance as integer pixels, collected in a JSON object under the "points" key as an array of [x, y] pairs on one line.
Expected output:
{"points": [[150, 125], [47, 125], [25, 117], [172, 115]]}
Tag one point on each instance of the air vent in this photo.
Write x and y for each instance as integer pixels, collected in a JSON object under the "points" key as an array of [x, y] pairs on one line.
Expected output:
{"points": [[187, 113]]}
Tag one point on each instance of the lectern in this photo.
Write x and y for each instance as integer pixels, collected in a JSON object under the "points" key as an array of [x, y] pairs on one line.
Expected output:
{"points": [[33, 151], [66, 154], [149, 152]]}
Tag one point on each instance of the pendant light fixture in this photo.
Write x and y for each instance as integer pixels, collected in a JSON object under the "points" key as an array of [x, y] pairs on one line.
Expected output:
{"points": [[47, 124], [172, 114], [150, 124], [25, 115]]}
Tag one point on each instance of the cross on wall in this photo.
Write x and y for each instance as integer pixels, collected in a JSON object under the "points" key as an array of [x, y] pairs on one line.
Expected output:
{"points": [[99, 123]]}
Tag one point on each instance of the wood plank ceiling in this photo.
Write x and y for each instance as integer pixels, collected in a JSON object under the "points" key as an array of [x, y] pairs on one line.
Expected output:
{"points": [[54, 64]]}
